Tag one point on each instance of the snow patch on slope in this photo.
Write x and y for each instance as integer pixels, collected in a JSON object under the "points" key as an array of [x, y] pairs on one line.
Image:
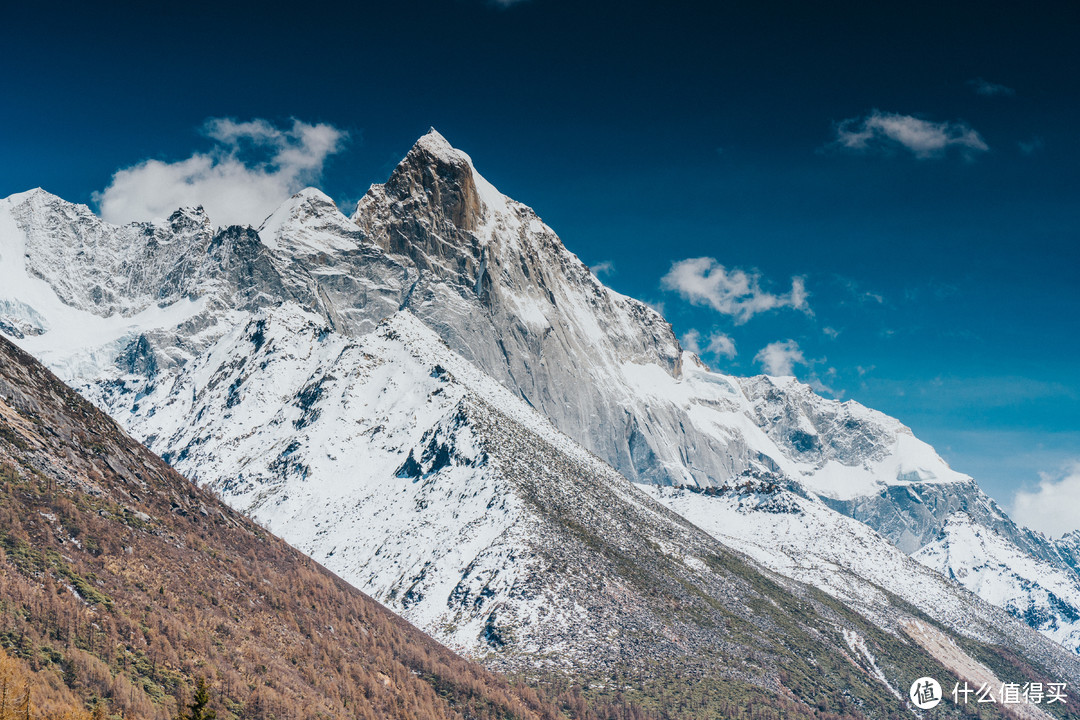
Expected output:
{"points": [[857, 644]]}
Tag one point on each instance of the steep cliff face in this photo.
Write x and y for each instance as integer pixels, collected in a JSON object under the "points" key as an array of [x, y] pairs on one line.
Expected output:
{"points": [[499, 286], [138, 305]]}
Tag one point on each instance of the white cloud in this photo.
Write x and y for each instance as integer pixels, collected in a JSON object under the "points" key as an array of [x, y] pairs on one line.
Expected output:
{"points": [[604, 267], [721, 345], [821, 387], [818, 385], [704, 281], [1054, 508], [252, 168], [856, 291], [780, 358], [989, 89], [691, 341], [718, 345], [923, 138]]}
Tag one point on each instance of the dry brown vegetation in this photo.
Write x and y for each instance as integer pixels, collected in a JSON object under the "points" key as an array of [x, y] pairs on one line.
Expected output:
{"points": [[121, 582], [26, 695]]}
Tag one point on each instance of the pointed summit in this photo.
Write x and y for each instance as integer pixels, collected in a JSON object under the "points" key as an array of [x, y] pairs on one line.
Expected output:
{"points": [[437, 181], [308, 223], [16, 198], [315, 195], [434, 144], [39, 200]]}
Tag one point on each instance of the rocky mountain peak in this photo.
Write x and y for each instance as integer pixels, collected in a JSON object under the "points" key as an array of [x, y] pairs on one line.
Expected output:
{"points": [[438, 184], [40, 205], [435, 144], [309, 223], [37, 193], [188, 219]]}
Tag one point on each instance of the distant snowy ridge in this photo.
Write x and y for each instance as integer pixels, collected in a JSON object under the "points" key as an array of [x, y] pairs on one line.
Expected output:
{"points": [[990, 565]]}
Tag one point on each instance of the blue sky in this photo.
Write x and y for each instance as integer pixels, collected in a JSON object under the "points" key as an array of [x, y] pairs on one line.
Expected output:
{"points": [[897, 187]]}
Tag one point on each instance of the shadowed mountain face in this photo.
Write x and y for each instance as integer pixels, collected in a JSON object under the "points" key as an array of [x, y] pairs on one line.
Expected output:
{"points": [[126, 581]]}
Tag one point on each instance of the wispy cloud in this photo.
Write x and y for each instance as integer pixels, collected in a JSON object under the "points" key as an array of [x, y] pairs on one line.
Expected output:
{"points": [[820, 386], [704, 281], [717, 344], [252, 168], [925, 139], [1052, 507], [691, 340], [854, 291], [721, 345], [780, 358], [989, 89], [604, 267]]}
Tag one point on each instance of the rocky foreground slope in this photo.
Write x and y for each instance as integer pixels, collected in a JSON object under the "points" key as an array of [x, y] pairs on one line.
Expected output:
{"points": [[121, 583]]}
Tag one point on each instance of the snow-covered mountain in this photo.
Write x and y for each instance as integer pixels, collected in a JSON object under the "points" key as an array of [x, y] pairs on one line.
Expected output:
{"points": [[988, 563], [167, 325], [503, 291]]}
